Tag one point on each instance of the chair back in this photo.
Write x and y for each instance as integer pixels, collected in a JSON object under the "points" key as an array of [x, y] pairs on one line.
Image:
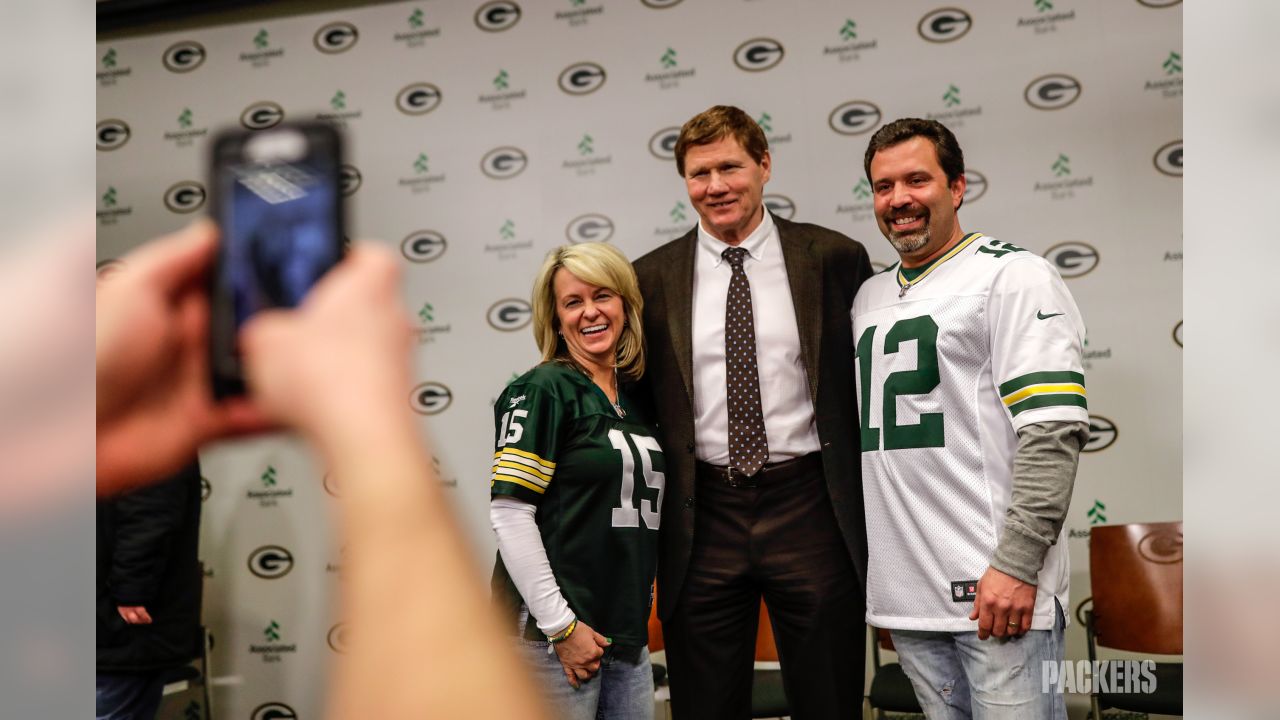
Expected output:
{"points": [[656, 642], [766, 648], [1136, 574]]}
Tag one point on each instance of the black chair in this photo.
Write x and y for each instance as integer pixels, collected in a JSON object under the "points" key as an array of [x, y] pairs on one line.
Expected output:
{"points": [[890, 687], [1135, 571]]}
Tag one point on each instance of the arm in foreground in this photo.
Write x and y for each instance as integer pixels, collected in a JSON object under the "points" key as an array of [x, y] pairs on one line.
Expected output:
{"points": [[424, 639]]}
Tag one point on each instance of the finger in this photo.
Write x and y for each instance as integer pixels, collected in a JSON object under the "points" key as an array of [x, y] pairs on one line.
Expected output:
{"points": [[179, 258], [1027, 618], [569, 674], [1000, 621], [601, 640], [144, 617], [984, 620]]}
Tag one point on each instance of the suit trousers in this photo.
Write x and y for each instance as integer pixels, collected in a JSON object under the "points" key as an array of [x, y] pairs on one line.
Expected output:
{"points": [[778, 540]]}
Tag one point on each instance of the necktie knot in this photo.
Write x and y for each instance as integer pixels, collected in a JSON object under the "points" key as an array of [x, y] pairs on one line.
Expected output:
{"points": [[735, 256]]}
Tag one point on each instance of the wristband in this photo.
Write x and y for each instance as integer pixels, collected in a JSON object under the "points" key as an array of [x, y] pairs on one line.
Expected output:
{"points": [[554, 639]]}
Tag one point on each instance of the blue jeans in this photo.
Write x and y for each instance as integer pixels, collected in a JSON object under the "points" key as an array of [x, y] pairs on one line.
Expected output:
{"points": [[957, 676], [128, 697], [622, 690]]}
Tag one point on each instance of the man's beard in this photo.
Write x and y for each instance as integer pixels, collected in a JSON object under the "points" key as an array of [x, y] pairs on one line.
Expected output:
{"points": [[908, 242]]}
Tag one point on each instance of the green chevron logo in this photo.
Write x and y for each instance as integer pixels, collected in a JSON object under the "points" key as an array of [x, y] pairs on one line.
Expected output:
{"points": [[1043, 5], [500, 81], [677, 212], [862, 190], [261, 39], [415, 18], [109, 60], [420, 165], [185, 118], [508, 230], [268, 477], [668, 58], [1173, 65], [272, 631], [1061, 166], [577, 3], [952, 96], [109, 197], [849, 31], [765, 121], [338, 101], [427, 313], [584, 145], [1098, 513]]}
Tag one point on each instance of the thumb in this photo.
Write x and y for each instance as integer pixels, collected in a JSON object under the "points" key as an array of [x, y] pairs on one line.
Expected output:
{"points": [[601, 640]]}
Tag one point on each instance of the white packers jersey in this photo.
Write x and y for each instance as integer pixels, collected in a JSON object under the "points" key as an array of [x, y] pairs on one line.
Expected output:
{"points": [[953, 359]]}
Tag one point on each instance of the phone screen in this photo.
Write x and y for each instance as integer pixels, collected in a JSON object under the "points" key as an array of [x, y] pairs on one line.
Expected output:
{"points": [[280, 234], [278, 204]]}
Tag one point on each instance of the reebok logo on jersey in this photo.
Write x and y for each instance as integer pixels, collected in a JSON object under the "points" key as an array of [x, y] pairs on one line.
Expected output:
{"points": [[517, 400], [1041, 316]]}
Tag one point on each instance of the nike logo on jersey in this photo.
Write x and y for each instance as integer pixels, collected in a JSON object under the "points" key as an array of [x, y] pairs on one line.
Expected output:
{"points": [[1041, 316]]}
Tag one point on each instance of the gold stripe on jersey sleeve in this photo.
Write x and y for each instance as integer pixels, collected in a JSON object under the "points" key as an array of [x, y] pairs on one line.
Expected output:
{"points": [[517, 481], [524, 471], [550, 466], [1046, 389]]}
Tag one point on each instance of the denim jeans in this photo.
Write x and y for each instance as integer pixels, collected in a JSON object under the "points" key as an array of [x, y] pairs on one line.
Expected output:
{"points": [[128, 697], [957, 676], [622, 690]]}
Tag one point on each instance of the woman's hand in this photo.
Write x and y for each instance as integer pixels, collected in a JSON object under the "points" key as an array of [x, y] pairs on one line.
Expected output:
{"points": [[580, 654]]}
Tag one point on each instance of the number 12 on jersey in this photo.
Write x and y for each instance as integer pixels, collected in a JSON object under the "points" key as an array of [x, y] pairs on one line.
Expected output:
{"points": [[921, 381]]}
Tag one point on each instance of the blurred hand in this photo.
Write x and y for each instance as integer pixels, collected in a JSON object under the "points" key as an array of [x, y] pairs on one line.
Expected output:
{"points": [[580, 654], [155, 405], [134, 614], [1004, 605]]}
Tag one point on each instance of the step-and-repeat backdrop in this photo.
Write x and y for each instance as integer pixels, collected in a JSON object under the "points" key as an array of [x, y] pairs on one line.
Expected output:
{"points": [[482, 134]]}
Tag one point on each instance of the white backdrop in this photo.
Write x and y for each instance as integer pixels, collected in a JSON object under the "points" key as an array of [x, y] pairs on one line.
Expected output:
{"points": [[481, 135]]}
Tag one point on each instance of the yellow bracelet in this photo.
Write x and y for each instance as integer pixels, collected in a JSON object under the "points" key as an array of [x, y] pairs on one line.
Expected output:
{"points": [[564, 635]]}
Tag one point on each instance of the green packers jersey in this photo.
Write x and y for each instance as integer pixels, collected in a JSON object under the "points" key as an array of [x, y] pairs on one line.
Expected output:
{"points": [[597, 480]]}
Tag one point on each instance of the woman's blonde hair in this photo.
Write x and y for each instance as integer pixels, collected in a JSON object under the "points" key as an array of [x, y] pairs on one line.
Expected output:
{"points": [[599, 264]]}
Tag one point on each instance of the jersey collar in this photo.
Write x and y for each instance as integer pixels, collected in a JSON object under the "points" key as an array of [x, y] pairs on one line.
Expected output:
{"points": [[908, 277]]}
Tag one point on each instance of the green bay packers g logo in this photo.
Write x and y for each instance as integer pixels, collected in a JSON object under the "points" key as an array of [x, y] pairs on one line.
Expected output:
{"points": [[945, 25], [337, 638], [592, 227], [113, 134], [509, 315], [497, 16], [1168, 159], [582, 78], [273, 711], [418, 98], [184, 197], [1073, 259], [1052, 92], [780, 205], [349, 180], [183, 57], [1102, 434], [270, 562], [663, 143], [758, 54], [430, 398], [975, 185], [1163, 546], [423, 246], [262, 115], [854, 117], [502, 163], [336, 37]]}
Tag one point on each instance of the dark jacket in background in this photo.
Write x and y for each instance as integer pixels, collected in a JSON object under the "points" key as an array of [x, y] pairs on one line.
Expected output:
{"points": [[147, 555]]}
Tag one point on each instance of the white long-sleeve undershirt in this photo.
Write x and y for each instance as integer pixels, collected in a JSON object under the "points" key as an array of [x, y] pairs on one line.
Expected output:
{"points": [[520, 544]]}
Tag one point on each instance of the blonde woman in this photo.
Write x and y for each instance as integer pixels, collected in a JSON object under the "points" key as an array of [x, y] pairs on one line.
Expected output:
{"points": [[577, 491]]}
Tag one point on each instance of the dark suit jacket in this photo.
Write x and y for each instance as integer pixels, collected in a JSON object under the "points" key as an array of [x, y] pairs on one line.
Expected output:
{"points": [[824, 269]]}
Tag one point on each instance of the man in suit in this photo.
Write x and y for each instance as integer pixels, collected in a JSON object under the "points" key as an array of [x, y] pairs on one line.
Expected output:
{"points": [[750, 371]]}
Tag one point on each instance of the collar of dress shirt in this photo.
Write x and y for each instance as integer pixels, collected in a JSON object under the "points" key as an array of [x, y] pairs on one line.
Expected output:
{"points": [[754, 244]]}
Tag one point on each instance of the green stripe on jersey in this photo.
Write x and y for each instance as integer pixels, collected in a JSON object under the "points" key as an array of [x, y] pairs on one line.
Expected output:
{"points": [[1038, 378]]}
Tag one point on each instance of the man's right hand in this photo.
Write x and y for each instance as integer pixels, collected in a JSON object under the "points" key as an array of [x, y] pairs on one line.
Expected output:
{"points": [[134, 614], [580, 654]]}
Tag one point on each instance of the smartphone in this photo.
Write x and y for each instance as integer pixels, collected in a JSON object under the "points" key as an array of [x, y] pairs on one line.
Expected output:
{"points": [[276, 197]]}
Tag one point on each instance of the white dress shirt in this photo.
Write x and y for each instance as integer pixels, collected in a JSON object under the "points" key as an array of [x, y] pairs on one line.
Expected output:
{"points": [[789, 420]]}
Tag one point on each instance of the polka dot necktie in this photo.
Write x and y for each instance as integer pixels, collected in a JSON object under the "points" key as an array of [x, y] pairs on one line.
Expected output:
{"points": [[748, 446]]}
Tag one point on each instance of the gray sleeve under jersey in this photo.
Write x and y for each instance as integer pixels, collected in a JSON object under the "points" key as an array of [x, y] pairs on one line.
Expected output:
{"points": [[1044, 472]]}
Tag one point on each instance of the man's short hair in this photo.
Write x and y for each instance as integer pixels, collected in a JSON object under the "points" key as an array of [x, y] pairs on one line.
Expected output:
{"points": [[950, 156], [719, 122]]}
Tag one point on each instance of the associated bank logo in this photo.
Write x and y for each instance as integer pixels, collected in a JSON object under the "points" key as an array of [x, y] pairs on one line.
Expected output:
{"points": [[975, 185], [1064, 185], [587, 160], [262, 115], [679, 219], [504, 163], [184, 197], [423, 246], [183, 57], [854, 117], [187, 133], [864, 207], [503, 94], [263, 53], [850, 44], [418, 31], [111, 70], [270, 494], [337, 638], [663, 143], [1177, 334], [273, 646], [1170, 85], [1073, 259], [945, 25], [954, 111], [422, 178], [341, 111], [581, 78], [110, 209], [579, 15], [1168, 159], [780, 205], [497, 16], [1052, 92], [430, 398], [270, 562], [349, 180], [430, 330], [509, 315], [671, 73], [758, 54], [418, 98], [509, 246], [113, 134], [1102, 434], [766, 123], [336, 37], [591, 227], [273, 711]]}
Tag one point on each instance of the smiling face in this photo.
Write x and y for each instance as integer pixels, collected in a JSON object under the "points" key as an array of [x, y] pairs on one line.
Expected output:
{"points": [[915, 206], [590, 318], [726, 187]]}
